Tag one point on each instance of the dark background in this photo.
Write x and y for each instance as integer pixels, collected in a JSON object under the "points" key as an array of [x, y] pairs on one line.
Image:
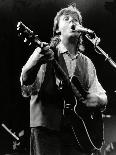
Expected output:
{"points": [[38, 15]]}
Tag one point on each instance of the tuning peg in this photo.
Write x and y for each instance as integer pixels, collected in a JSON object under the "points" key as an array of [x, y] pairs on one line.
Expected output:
{"points": [[19, 34], [18, 28], [25, 40], [19, 25]]}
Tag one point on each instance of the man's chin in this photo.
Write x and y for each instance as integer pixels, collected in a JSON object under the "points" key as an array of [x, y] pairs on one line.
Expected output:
{"points": [[74, 34]]}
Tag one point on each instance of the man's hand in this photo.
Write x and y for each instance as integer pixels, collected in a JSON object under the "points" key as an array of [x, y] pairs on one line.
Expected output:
{"points": [[91, 100], [96, 101], [48, 54]]}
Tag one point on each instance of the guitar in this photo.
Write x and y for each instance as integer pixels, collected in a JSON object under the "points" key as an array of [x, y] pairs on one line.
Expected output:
{"points": [[86, 124]]}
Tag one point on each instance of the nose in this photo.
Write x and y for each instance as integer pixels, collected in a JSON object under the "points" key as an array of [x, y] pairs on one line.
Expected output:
{"points": [[73, 20]]}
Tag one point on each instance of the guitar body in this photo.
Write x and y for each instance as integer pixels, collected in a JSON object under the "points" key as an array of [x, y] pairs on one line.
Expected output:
{"points": [[85, 124], [87, 131]]}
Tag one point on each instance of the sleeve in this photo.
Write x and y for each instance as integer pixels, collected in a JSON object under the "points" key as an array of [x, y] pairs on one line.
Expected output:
{"points": [[33, 89], [96, 91], [94, 84], [30, 89]]}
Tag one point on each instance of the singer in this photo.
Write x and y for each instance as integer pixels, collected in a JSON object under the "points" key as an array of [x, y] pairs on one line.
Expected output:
{"points": [[52, 97]]}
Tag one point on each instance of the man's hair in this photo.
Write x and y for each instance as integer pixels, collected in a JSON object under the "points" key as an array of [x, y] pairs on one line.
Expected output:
{"points": [[70, 10]]}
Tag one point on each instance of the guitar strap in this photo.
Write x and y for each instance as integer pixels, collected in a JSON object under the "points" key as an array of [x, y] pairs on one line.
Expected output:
{"points": [[75, 78], [62, 63]]}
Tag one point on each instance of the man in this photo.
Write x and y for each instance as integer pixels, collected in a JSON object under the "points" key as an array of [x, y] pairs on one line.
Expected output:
{"points": [[42, 81]]}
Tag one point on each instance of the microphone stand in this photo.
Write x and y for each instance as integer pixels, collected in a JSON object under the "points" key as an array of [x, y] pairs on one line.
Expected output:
{"points": [[96, 41]]}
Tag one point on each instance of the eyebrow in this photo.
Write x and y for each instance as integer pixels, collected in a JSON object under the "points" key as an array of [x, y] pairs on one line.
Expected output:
{"points": [[73, 15]]}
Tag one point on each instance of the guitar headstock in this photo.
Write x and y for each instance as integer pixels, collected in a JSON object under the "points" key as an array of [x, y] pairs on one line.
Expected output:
{"points": [[23, 28], [28, 35]]}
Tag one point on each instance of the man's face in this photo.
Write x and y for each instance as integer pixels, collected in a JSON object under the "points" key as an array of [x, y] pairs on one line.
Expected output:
{"points": [[67, 25]]}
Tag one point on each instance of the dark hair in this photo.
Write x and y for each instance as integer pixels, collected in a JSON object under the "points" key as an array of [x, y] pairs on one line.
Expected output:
{"points": [[70, 10]]}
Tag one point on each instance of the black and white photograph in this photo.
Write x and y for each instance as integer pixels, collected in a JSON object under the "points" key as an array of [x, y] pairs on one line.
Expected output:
{"points": [[58, 77]]}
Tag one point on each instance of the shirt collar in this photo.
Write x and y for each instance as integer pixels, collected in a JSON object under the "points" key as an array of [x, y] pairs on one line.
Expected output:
{"points": [[62, 49]]}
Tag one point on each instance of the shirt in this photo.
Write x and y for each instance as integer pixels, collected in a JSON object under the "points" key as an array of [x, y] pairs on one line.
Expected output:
{"points": [[46, 103]]}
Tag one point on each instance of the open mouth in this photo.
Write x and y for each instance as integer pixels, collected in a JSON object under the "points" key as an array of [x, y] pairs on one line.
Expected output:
{"points": [[73, 27]]}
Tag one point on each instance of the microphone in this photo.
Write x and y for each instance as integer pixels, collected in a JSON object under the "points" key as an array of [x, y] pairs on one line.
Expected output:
{"points": [[82, 29]]}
